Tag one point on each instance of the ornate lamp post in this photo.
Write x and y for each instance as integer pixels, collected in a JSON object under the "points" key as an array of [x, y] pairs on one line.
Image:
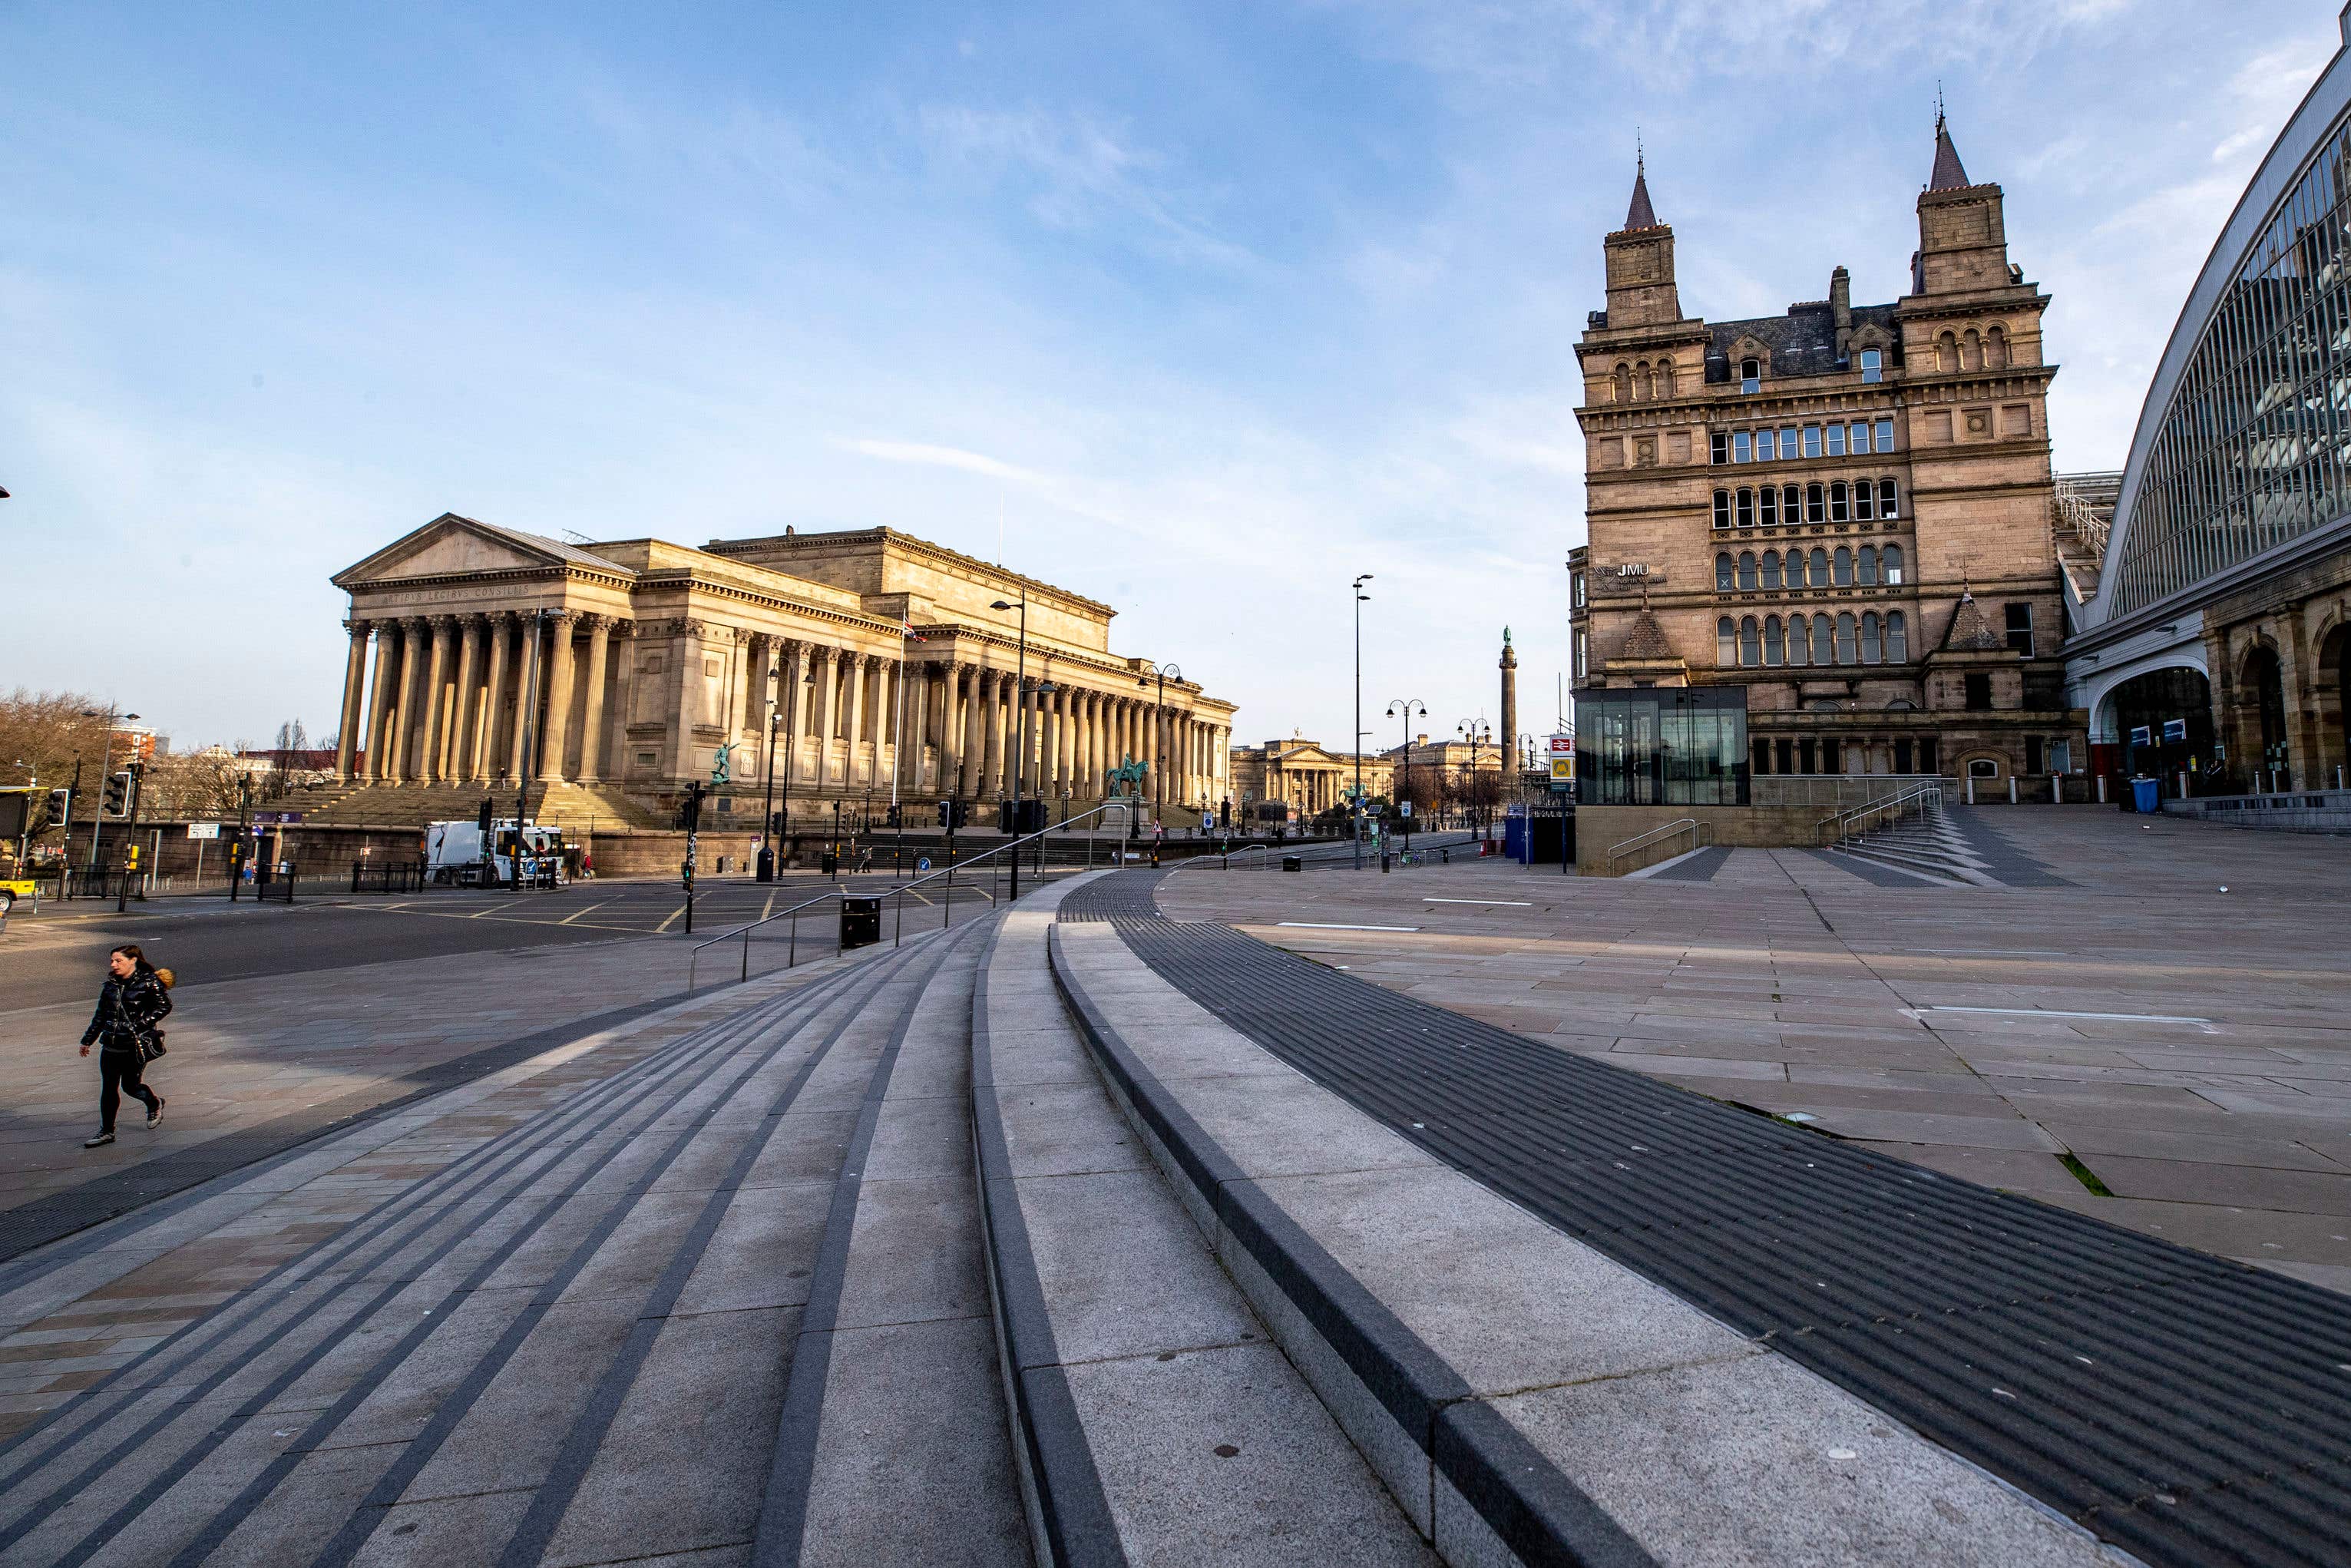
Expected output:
{"points": [[1158, 758], [1020, 725], [1355, 818], [1478, 732], [1405, 708]]}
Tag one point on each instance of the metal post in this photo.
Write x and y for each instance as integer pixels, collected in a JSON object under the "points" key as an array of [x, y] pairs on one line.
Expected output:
{"points": [[530, 754], [1356, 821], [98, 801]]}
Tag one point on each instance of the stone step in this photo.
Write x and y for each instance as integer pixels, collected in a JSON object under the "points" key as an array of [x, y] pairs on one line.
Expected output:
{"points": [[1154, 1418], [1938, 864]]}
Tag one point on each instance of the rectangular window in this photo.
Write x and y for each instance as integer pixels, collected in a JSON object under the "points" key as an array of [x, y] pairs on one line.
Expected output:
{"points": [[1979, 687], [1885, 435], [2020, 629], [1786, 748], [1901, 757], [1764, 452], [1873, 365], [1721, 446], [1861, 435], [1742, 447], [2061, 757], [2033, 754], [1836, 440], [1663, 745], [1812, 441], [1788, 439]]}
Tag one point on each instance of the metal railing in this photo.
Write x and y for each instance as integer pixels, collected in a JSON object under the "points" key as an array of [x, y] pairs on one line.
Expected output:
{"points": [[1701, 837], [1845, 826], [1000, 860]]}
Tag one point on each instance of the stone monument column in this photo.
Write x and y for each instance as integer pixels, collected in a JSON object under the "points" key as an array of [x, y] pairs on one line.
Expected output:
{"points": [[1509, 734], [592, 722], [347, 733], [558, 694]]}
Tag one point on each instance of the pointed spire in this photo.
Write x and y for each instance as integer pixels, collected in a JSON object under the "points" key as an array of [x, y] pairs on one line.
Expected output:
{"points": [[1640, 215], [1948, 175]]}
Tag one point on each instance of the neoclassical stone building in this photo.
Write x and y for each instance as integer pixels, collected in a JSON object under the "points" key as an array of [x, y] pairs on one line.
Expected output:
{"points": [[616, 673], [1836, 518]]}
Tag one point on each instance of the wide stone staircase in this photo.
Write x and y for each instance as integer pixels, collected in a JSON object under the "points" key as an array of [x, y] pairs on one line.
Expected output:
{"points": [[577, 808], [1924, 842]]}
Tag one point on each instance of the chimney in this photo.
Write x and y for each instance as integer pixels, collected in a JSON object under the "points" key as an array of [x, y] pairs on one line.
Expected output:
{"points": [[1841, 297]]}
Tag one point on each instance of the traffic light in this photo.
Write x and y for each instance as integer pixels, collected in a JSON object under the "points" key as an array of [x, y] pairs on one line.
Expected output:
{"points": [[118, 795], [689, 811], [481, 819], [60, 806]]}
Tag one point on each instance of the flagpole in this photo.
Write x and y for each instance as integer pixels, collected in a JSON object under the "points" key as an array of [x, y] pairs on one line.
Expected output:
{"points": [[898, 749]]}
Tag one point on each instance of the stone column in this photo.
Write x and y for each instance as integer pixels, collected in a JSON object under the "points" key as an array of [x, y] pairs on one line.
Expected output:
{"points": [[460, 748], [822, 697], [858, 674], [482, 735], [767, 682], [613, 761], [414, 633], [529, 680], [592, 721], [431, 725], [794, 697], [380, 692], [558, 694], [991, 735], [965, 684], [347, 734]]}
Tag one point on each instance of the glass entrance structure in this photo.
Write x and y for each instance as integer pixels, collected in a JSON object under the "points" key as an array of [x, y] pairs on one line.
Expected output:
{"points": [[1662, 746]]}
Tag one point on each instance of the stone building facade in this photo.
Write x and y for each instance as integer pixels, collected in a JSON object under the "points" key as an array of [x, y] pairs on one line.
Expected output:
{"points": [[617, 673], [1843, 509], [1303, 775]]}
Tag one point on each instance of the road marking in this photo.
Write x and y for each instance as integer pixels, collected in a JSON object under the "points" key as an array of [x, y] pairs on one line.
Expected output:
{"points": [[2055, 1013], [590, 908], [1513, 902], [1330, 926], [767, 908], [665, 925]]}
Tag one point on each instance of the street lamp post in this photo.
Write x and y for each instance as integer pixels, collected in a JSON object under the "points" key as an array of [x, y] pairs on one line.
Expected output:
{"points": [[767, 864], [1405, 707], [1020, 725], [1478, 732], [1356, 821]]}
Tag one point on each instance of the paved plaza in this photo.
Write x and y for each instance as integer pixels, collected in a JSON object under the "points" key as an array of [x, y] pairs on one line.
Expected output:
{"points": [[2129, 1024], [1466, 1212]]}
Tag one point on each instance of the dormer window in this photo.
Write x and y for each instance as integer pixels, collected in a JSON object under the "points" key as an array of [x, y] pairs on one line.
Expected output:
{"points": [[1873, 365], [1750, 375]]}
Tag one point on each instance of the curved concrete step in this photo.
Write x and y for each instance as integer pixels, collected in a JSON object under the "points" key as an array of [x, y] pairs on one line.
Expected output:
{"points": [[1154, 1418]]}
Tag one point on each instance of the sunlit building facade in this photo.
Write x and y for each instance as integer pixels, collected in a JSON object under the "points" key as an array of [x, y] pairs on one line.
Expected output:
{"points": [[2213, 652]]}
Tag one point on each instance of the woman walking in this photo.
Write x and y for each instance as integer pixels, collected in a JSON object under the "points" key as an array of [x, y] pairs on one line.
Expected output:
{"points": [[133, 1000]]}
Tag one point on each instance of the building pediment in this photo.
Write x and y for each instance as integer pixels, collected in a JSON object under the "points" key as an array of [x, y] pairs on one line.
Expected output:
{"points": [[451, 546]]}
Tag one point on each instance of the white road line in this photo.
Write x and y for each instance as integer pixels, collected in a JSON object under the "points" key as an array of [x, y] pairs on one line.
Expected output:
{"points": [[1330, 926], [1513, 902], [2055, 1013]]}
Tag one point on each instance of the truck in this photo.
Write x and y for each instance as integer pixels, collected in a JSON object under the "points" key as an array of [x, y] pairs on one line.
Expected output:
{"points": [[455, 853]]}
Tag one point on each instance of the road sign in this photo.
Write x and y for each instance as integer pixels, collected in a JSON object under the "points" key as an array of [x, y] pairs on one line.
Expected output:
{"points": [[1207, 821], [1406, 808], [204, 829]]}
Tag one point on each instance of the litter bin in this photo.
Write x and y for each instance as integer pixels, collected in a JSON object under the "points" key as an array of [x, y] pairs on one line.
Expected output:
{"points": [[829, 864], [1294, 862], [767, 865], [2146, 795], [861, 923]]}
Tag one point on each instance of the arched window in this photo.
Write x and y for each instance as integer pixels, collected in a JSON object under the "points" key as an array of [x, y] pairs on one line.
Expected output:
{"points": [[1622, 384], [1837, 510], [1843, 573], [1864, 501], [1800, 649], [1971, 351], [1886, 499], [1816, 509], [1820, 571], [1747, 569], [1746, 508], [1996, 350], [1844, 650], [1792, 504], [1750, 375], [1664, 384], [1775, 641], [1750, 642], [1641, 380], [1771, 565], [1864, 566], [1947, 353], [1768, 505], [1722, 579], [1722, 508], [1893, 554], [1869, 650], [1726, 643], [1821, 652], [1898, 641], [1873, 365]]}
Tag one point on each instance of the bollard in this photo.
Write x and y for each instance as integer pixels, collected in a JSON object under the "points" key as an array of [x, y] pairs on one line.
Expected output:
{"points": [[2011, 789], [2102, 788], [1971, 789], [2183, 783], [1384, 862]]}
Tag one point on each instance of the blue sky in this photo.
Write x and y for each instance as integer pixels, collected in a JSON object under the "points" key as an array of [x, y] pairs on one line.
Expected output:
{"points": [[1208, 308]]}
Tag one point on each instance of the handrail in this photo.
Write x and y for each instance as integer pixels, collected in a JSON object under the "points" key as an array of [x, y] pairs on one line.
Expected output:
{"points": [[1844, 823], [946, 874], [1701, 835]]}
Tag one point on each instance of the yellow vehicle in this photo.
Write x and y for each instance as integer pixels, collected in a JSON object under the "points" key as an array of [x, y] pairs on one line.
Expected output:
{"points": [[10, 892]]}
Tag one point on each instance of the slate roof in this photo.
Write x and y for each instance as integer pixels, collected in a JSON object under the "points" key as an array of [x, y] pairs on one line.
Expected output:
{"points": [[1947, 174], [1802, 343], [522, 541], [1969, 630], [1640, 214], [1647, 640]]}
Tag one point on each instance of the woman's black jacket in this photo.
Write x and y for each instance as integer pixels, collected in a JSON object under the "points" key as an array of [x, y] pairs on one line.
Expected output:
{"points": [[127, 1013]]}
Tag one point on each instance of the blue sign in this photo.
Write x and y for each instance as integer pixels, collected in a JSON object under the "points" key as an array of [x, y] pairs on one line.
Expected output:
{"points": [[2142, 735], [2175, 729]]}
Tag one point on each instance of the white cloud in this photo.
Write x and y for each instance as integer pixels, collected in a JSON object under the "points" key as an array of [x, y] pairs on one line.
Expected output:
{"points": [[943, 457]]}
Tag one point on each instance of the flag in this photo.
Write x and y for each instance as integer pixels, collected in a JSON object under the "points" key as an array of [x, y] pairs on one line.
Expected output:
{"points": [[906, 625]]}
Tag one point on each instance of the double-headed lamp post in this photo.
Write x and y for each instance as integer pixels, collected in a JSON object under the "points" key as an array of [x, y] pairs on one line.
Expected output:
{"points": [[1020, 724], [771, 834], [1356, 821], [1158, 758], [1478, 732], [1405, 708]]}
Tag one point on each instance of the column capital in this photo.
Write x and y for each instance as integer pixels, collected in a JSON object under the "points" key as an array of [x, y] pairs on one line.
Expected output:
{"points": [[564, 617], [442, 623], [623, 627], [592, 621]]}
